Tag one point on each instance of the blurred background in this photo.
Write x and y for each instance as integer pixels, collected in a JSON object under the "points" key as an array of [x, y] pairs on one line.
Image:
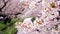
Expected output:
{"points": [[9, 11]]}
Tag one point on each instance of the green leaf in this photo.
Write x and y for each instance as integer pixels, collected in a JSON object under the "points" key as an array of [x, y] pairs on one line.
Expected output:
{"points": [[2, 25], [33, 18], [10, 30]]}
